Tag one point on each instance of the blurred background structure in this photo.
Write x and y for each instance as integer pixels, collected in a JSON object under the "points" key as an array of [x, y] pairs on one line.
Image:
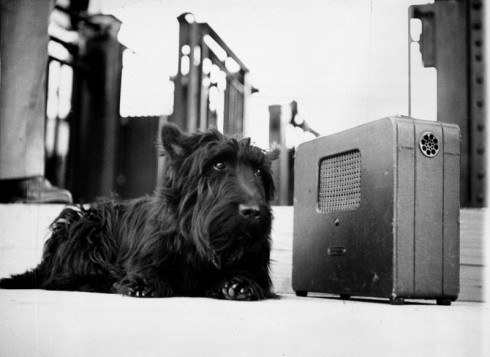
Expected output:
{"points": [[282, 71]]}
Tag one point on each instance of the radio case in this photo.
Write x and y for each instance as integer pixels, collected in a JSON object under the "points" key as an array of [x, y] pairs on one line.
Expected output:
{"points": [[376, 212]]}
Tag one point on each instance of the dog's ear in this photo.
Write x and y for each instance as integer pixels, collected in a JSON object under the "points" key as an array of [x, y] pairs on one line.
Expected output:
{"points": [[274, 152], [215, 133], [172, 141]]}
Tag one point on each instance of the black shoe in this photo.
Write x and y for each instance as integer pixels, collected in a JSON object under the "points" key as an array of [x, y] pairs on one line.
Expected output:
{"points": [[32, 190]]}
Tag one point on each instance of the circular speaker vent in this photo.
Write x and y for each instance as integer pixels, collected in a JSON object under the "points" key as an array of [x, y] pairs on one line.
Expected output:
{"points": [[429, 144]]}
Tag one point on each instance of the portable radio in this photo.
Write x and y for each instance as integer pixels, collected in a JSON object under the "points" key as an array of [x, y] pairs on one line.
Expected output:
{"points": [[376, 212]]}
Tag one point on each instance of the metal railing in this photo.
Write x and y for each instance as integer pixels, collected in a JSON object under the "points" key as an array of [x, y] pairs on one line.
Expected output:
{"points": [[211, 85]]}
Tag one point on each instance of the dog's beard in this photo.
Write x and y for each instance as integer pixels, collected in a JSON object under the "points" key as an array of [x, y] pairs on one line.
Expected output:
{"points": [[231, 236], [221, 235]]}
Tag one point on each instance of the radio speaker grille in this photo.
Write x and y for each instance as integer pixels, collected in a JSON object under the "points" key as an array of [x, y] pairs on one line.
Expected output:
{"points": [[340, 182]]}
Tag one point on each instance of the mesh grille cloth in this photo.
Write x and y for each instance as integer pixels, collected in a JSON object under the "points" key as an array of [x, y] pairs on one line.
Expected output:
{"points": [[340, 182]]}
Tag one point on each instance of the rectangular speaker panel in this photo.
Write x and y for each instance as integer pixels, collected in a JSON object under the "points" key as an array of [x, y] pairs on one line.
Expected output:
{"points": [[340, 182]]}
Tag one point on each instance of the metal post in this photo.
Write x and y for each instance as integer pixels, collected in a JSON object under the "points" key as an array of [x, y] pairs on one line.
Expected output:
{"points": [[281, 169], [96, 100], [186, 108], [452, 41]]}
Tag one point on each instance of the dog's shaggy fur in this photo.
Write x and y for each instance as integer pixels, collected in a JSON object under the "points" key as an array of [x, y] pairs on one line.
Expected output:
{"points": [[205, 232]]}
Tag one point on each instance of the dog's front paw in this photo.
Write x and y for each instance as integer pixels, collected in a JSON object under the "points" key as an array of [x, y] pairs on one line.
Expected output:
{"points": [[238, 289], [140, 291], [133, 288]]}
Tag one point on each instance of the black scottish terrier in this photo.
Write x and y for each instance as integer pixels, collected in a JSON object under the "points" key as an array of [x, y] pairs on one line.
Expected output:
{"points": [[205, 232]]}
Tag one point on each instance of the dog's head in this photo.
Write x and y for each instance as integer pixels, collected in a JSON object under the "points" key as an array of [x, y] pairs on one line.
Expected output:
{"points": [[221, 188]]}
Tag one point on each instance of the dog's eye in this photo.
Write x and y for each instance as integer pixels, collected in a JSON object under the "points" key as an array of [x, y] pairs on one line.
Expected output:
{"points": [[219, 166], [258, 172]]}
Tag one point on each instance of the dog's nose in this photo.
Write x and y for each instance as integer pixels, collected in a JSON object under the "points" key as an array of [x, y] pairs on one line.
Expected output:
{"points": [[248, 211]]}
